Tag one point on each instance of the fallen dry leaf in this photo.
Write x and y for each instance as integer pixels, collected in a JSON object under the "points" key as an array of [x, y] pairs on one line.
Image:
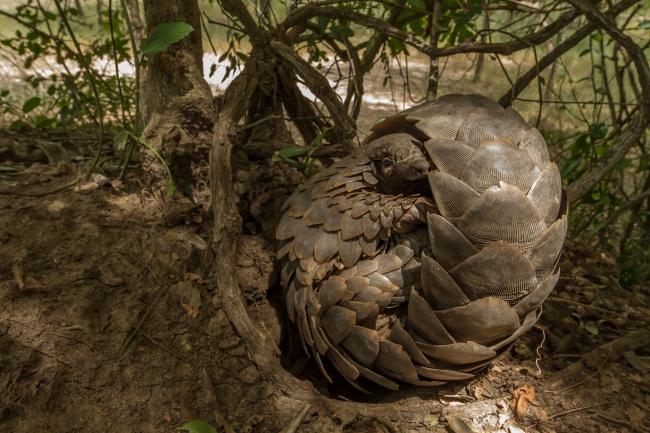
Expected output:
{"points": [[192, 311], [33, 285], [189, 276], [522, 397], [18, 275]]}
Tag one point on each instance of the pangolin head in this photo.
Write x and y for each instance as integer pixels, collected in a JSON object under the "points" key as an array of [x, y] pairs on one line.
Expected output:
{"points": [[399, 160]]}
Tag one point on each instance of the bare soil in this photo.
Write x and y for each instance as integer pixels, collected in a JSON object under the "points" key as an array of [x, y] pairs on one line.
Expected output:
{"points": [[109, 323]]}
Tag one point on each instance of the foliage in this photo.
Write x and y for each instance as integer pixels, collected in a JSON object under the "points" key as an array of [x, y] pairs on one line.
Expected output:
{"points": [[163, 36], [197, 426], [63, 96]]}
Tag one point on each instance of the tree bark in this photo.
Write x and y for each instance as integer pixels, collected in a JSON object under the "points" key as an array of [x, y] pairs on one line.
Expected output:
{"points": [[177, 105], [172, 73]]}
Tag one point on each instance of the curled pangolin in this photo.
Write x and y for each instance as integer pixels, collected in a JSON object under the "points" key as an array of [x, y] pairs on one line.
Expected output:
{"points": [[426, 252]]}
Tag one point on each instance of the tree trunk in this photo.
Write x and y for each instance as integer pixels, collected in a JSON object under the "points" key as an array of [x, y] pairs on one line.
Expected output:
{"points": [[172, 73], [177, 105]]}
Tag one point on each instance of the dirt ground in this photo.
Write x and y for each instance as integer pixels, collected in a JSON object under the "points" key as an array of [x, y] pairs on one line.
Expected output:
{"points": [[109, 323]]}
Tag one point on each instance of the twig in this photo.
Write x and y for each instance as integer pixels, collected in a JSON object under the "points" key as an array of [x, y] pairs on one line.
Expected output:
{"points": [[620, 422], [136, 64], [165, 348], [523, 81], [567, 412], [538, 351], [277, 117], [585, 380], [638, 124], [207, 34], [219, 23], [49, 355], [93, 85], [117, 69], [128, 340], [66, 185], [580, 304], [70, 84], [549, 101], [313, 10], [320, 87], [297, 420], [390, 426], [628, 138], [220, 418], [625, 206]]}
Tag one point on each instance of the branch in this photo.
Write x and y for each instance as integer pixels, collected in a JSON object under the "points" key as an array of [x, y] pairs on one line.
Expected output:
{"points": [[237, 9], [320, 87], [573, 40], [299, 108], [628, 139], [633, 50], [640, 120], [311, 11], [632, 203], [227, 221], [375, 44]]}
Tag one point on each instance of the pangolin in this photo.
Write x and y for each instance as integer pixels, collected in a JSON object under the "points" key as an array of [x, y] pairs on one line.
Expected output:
{"points": [[427, 251]]}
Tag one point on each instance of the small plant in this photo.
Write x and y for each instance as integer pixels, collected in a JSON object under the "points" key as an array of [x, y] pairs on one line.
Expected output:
{"points": [[197, 426]]}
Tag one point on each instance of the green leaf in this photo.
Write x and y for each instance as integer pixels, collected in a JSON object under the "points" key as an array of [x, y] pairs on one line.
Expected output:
{"points": [[396, 46], [164, 35], [598, 131], [293, 151], [43, 121], [644, 25], [6, 168], [31, 103], [197, 426], [342, 31], [569, 167], [17, 124], [584, 52], [119, 141], [580, 145]]}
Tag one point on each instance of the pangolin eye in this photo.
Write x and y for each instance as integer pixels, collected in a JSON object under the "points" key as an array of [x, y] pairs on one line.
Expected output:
{"points": [[387, 162]]}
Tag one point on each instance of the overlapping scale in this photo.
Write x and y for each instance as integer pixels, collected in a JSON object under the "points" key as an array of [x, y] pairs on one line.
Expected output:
{"points": [[546, 193], [500, 269], [502, 213], [468, 282], [495, 162]]}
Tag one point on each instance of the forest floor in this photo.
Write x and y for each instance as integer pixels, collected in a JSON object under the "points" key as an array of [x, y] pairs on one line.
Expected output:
{"points": [[109, 323]]}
